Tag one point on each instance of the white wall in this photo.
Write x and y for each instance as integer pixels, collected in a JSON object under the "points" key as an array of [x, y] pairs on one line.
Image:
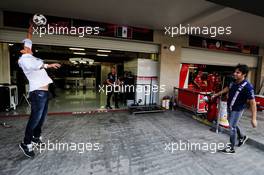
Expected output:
{"points": [[4, 63], [202, 56]]}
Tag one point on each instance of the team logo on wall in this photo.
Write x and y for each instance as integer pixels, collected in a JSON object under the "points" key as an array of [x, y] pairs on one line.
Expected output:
{"points": [[39, 19]]}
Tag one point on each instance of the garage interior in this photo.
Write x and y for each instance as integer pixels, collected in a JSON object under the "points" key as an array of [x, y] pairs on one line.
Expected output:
{"points": [[77, 83]]}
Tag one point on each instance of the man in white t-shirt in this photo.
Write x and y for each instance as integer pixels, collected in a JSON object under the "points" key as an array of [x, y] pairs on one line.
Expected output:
{"points": [[34, 69]]}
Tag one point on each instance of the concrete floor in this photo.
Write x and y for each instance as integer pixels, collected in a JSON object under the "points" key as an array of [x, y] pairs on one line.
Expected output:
{"points": [[128, 145], [254, 133]]}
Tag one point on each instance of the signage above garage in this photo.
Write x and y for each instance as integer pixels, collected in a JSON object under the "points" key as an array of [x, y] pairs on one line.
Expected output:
{"points": [[213, 44], [22, 20]]}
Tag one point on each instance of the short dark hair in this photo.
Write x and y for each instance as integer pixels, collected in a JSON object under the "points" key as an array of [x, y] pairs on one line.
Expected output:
{"points": [[242, 68]]}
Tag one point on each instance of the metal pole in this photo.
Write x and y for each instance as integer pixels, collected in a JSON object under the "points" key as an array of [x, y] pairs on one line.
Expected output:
{"points": [[218, 115]]}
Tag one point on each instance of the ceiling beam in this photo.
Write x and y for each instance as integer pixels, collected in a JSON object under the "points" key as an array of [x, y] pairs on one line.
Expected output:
{"points": [[211, 16], [253, 6]]}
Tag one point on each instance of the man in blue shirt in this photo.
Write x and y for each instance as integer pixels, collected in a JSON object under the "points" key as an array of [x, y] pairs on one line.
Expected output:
{"points": [[240, 92]]}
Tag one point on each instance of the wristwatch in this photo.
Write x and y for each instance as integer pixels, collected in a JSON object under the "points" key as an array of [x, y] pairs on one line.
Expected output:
{"points": [[45, 66]]}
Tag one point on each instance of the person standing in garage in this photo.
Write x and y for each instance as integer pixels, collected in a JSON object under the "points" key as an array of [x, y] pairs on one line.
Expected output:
{"points": [[34, 70], [112, 81], [240, 92]]}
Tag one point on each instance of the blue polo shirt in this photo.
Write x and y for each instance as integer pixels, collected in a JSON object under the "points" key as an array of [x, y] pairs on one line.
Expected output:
{"points": [[247, 93]]}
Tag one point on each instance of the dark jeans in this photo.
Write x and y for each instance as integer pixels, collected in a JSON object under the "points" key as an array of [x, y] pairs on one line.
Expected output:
{"points": [[109, 95], [39, 107], [233, 119]]}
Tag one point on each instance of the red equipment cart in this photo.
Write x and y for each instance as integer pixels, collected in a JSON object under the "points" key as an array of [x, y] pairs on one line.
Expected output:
{"points": [[260, 102], [192, 100]]}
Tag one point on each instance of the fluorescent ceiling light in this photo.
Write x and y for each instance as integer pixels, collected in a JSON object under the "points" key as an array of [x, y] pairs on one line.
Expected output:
{"points": [[10, 44], [106, 51], [73, 48], [102, 55], [81, 60], [79, 53], [91, 62]]}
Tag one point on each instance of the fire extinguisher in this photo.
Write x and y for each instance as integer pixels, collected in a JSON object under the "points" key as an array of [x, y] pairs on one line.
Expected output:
{"points": [[212, 110]]}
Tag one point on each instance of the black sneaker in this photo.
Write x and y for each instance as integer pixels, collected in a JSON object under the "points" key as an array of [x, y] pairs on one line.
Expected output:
{"points": [[27, 150], [242, 141], [108, 107], [37, 141], [228, 150], [117, 107]]}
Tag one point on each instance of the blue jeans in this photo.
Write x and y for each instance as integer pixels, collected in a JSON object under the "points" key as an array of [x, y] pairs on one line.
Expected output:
{"points": [[233, 119], [39, 107]]}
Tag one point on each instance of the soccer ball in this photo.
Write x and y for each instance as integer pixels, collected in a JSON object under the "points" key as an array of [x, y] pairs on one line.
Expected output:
{"points": [[39, 19]]}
